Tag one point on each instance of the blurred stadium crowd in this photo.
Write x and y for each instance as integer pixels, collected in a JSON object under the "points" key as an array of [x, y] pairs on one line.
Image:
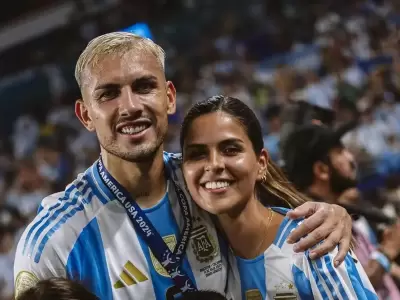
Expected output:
{"points": [[336, 61]]}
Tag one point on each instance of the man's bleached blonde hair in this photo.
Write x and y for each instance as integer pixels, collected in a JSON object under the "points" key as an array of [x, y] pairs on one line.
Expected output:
{"points": [[111, 44]]}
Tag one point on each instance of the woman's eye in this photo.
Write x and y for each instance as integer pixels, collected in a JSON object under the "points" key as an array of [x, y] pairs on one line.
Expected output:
{"points": [[231, 151], [194, 155]]}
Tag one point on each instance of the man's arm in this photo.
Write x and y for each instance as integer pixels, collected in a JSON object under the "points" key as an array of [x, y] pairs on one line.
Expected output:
{"points": [[325, 222]]}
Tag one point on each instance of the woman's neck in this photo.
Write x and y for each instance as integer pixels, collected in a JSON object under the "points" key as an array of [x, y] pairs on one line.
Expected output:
{"points": [[145, 181], [252, 231]]}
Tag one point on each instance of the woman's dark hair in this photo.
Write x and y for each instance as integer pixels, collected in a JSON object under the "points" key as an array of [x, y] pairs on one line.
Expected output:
{"points": [[203, 295], [276, 190], [57, 288]]}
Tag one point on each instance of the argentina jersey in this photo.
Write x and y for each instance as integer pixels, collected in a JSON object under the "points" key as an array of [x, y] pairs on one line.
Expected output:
{"points": [[84, 234], [282, 274]]}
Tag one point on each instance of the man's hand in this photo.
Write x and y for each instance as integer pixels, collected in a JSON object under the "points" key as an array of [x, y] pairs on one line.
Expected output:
{"points": [[323, 221]]}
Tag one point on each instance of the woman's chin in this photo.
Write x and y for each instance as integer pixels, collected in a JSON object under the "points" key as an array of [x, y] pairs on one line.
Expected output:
{"points": [[217, 208]]}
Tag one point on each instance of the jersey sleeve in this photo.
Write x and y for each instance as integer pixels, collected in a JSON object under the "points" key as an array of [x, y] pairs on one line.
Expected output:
{"points": [[319, 279], [27, 272]]}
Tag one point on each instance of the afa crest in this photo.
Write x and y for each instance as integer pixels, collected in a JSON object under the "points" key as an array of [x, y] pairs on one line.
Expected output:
{"points": [[204, 245], [170, 241]]}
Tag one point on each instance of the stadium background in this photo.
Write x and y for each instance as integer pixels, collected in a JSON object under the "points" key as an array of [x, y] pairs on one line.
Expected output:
{"points": [[338, 59]]}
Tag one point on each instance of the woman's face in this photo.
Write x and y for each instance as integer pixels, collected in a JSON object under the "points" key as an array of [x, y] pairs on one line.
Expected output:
{"points": [[219, 163]]}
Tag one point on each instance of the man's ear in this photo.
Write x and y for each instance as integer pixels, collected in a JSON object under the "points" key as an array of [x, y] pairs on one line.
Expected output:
{"points": [[83, 114], [171, 98], [321, 171]]}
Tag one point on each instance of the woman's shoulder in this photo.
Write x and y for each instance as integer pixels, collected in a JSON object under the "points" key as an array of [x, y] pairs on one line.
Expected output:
{"points": [[286, 227]]}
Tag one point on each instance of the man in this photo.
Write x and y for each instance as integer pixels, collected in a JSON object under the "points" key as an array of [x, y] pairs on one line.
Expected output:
{"points": [[124, 227], [319, 165]]}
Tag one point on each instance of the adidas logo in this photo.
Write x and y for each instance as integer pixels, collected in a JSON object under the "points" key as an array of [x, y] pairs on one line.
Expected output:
{"points": [[130, 275]]}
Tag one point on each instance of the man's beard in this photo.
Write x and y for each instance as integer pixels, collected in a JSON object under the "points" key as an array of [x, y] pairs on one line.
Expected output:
{"points": [[340, 183], [141, 153]]}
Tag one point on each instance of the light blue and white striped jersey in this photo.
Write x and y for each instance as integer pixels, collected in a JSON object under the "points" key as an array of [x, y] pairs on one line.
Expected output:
{"points": [[282, 274], [84, 234]]}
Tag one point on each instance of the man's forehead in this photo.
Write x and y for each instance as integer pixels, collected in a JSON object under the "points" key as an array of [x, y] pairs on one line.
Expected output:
{"points": [[112, 68]]}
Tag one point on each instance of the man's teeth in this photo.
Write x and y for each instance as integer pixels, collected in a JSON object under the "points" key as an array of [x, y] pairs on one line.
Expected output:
{"points": [[133, 129], [212, 185]]}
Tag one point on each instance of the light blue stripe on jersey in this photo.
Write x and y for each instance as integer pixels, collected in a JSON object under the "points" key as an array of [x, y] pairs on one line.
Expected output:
{"points": [[356, 281], [302, 283], [333, 272], [252, 275], [67, 195], [318, 282], [80, 199], [331, 285], [87, 262], [285, 228], [164, 221]]}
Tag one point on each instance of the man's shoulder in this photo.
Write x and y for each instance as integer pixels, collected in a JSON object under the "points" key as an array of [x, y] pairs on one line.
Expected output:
{"points": [[61, 218]]}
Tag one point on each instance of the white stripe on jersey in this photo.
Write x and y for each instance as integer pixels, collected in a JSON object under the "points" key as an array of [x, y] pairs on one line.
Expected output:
{"points": [[119, 250]]}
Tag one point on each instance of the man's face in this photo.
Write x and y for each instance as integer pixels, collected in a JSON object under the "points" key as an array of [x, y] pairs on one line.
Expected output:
{"points": [[127, 102], [343, 172]]}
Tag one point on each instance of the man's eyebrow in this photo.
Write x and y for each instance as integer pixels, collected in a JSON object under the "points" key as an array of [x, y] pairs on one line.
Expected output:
{"points": [[116, 85], [106, 86]]}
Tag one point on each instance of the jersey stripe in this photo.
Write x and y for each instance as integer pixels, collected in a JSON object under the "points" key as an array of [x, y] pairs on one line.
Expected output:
{"points": [[91, 271], [52, 214], [333, 272], [284, 233], [65, 197], [356, 280], [256, 278], [66, 212], [302, 283], [327, 278], [319, 283]]}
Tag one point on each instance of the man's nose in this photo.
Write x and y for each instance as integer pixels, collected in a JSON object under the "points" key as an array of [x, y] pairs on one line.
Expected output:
{"points": [[130, 103]]}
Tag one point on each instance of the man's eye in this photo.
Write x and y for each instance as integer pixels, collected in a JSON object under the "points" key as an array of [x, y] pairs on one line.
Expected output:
{"points": [[145, 87], [109, 95]]}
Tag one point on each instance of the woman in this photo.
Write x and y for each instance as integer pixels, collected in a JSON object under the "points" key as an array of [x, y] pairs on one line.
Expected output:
{"points": [[229, 174]]}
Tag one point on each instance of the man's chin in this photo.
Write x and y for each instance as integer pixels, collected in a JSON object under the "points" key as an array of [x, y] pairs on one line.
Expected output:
{"points": [[136, 154]]}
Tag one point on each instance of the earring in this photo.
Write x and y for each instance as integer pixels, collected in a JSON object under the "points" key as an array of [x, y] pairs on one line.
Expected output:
{"points": [[264, 177]]}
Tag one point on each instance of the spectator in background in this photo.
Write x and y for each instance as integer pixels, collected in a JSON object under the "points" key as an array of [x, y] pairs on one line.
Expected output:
{"points": [[271, 139], [10, 222], [319, 165], [25, 135], [28, 189], [52, 162]]}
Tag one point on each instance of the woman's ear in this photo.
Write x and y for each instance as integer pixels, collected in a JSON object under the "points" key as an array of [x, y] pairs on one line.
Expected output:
{"points": [[262, 164]]}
